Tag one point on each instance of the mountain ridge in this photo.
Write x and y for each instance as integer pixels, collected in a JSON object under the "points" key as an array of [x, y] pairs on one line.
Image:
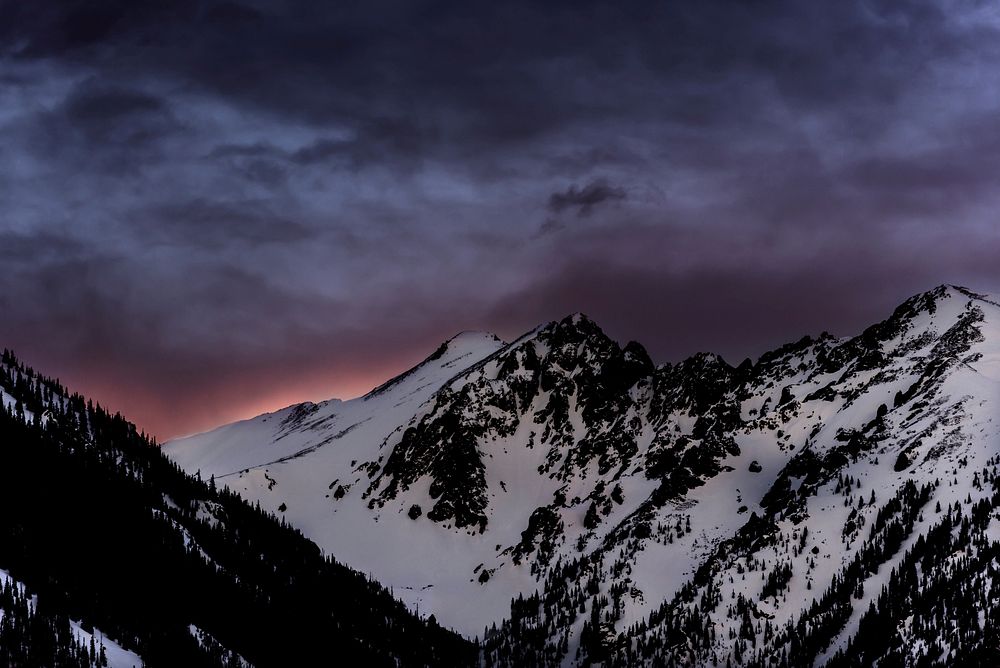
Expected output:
{"points": [[565, 450]]}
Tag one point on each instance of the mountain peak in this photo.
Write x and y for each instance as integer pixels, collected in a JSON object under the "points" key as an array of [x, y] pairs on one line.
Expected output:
{"points": [[468, 344], [975, 296], [952, 289], [578, 320], [576, 327], [929, 300], [473, 335], [465, 341]]}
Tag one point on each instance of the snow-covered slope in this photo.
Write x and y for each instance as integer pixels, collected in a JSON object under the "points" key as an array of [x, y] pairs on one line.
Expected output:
{"points": [[82, 646], [682, 513], [312, 461], [332, 426]]}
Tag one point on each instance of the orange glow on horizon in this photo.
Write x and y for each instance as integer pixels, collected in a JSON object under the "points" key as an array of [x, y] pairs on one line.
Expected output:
{"points": [[223, 402], [285, 397]]}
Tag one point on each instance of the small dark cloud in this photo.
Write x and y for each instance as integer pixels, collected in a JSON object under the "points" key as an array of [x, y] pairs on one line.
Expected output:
{"points": [[378, 142], [258, 162], [550, 225], [584, 200]]}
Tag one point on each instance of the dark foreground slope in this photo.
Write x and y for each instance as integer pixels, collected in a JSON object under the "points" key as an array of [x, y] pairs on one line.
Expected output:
{"points": [[98, 524]]}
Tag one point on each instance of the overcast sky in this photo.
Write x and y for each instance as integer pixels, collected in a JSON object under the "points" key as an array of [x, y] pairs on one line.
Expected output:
{"points": [[208, 209]]}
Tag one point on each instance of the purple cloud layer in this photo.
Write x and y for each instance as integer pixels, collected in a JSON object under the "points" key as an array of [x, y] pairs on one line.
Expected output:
{"points": [[212, 208]]}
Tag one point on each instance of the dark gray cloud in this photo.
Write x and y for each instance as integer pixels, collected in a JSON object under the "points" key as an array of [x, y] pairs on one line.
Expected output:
{"points": [[101, 109], [583, 200], [210, 206]]}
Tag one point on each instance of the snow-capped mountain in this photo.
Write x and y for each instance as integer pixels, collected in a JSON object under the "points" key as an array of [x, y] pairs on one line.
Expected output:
{"points": [[831, 502]]}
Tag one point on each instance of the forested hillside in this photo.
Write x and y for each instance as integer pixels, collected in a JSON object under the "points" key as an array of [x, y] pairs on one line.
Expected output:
{"points": [[102, 528]]}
